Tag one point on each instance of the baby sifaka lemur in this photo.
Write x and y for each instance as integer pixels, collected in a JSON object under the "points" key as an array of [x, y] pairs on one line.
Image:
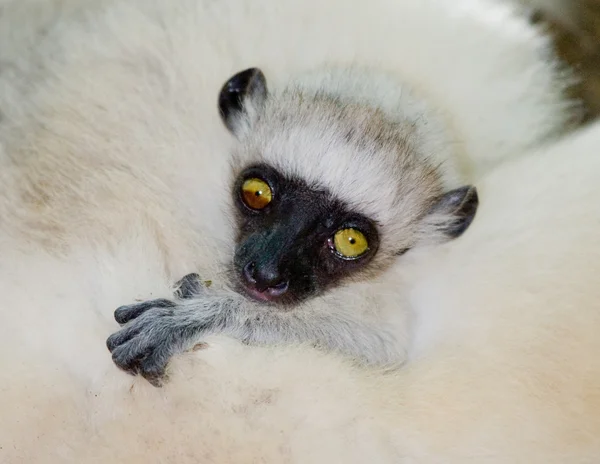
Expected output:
{"points": [[332, 181]]}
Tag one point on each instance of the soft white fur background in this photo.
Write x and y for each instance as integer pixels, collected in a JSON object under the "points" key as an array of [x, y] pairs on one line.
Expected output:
{"points": [[111, 148]]}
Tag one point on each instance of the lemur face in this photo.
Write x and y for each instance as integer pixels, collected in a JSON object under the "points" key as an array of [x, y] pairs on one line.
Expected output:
{"points": [[295, 241]]}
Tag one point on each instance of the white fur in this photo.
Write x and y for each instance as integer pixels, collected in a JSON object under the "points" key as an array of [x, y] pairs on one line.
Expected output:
{"points": [[111, 180], [505, 369]]}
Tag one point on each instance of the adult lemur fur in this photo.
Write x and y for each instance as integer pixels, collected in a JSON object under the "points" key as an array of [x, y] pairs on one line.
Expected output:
{"points": [[113, 181]]}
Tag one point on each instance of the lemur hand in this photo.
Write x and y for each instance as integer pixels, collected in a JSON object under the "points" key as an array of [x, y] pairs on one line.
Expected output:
{"points": [[153, 331]]}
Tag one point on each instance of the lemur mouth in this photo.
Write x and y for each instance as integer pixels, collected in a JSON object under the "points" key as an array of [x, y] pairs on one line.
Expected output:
{"points": [[270, 294]]}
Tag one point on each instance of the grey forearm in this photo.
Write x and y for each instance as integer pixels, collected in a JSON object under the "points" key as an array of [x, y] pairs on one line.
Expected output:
{"points": [[253, 324], [153, 331]]}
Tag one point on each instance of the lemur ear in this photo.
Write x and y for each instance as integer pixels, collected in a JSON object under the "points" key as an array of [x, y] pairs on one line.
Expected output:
{"points": [[452, 214], [242, 96]]}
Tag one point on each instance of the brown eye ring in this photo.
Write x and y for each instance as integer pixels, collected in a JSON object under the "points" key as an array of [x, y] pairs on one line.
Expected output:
{"points": [[256, 193]]}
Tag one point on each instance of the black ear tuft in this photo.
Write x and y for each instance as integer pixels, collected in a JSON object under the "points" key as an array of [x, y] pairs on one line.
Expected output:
{"points": [[458, 207], [246, 85]]}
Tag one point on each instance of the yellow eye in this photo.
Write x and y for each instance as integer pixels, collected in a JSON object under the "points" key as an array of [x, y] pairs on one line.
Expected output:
{"points": [[256, 193], [350, 243]]}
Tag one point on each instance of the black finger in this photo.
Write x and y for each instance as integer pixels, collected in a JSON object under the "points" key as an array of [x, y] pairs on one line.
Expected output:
{"points": [[122, 336], [152, 371], [188, 287], [126, 313], [124, 362], [129, 356]]}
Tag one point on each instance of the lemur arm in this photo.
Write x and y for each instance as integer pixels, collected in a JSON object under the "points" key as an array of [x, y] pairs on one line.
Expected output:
{"points": [[154, 331]]}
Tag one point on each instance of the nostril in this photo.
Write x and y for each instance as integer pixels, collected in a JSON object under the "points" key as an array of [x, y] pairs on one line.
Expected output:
{"points": [[249, 272]]}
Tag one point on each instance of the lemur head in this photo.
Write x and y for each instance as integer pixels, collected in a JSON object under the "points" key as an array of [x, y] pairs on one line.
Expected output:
{"points": [[327, 188]]}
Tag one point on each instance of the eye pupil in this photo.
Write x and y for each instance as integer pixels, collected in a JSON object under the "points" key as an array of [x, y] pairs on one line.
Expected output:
{"points": [[350, 243], [256, 193]]}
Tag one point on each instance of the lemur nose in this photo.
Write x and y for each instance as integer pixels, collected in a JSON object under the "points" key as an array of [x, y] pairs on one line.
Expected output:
{"points": [[265, 278]]}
